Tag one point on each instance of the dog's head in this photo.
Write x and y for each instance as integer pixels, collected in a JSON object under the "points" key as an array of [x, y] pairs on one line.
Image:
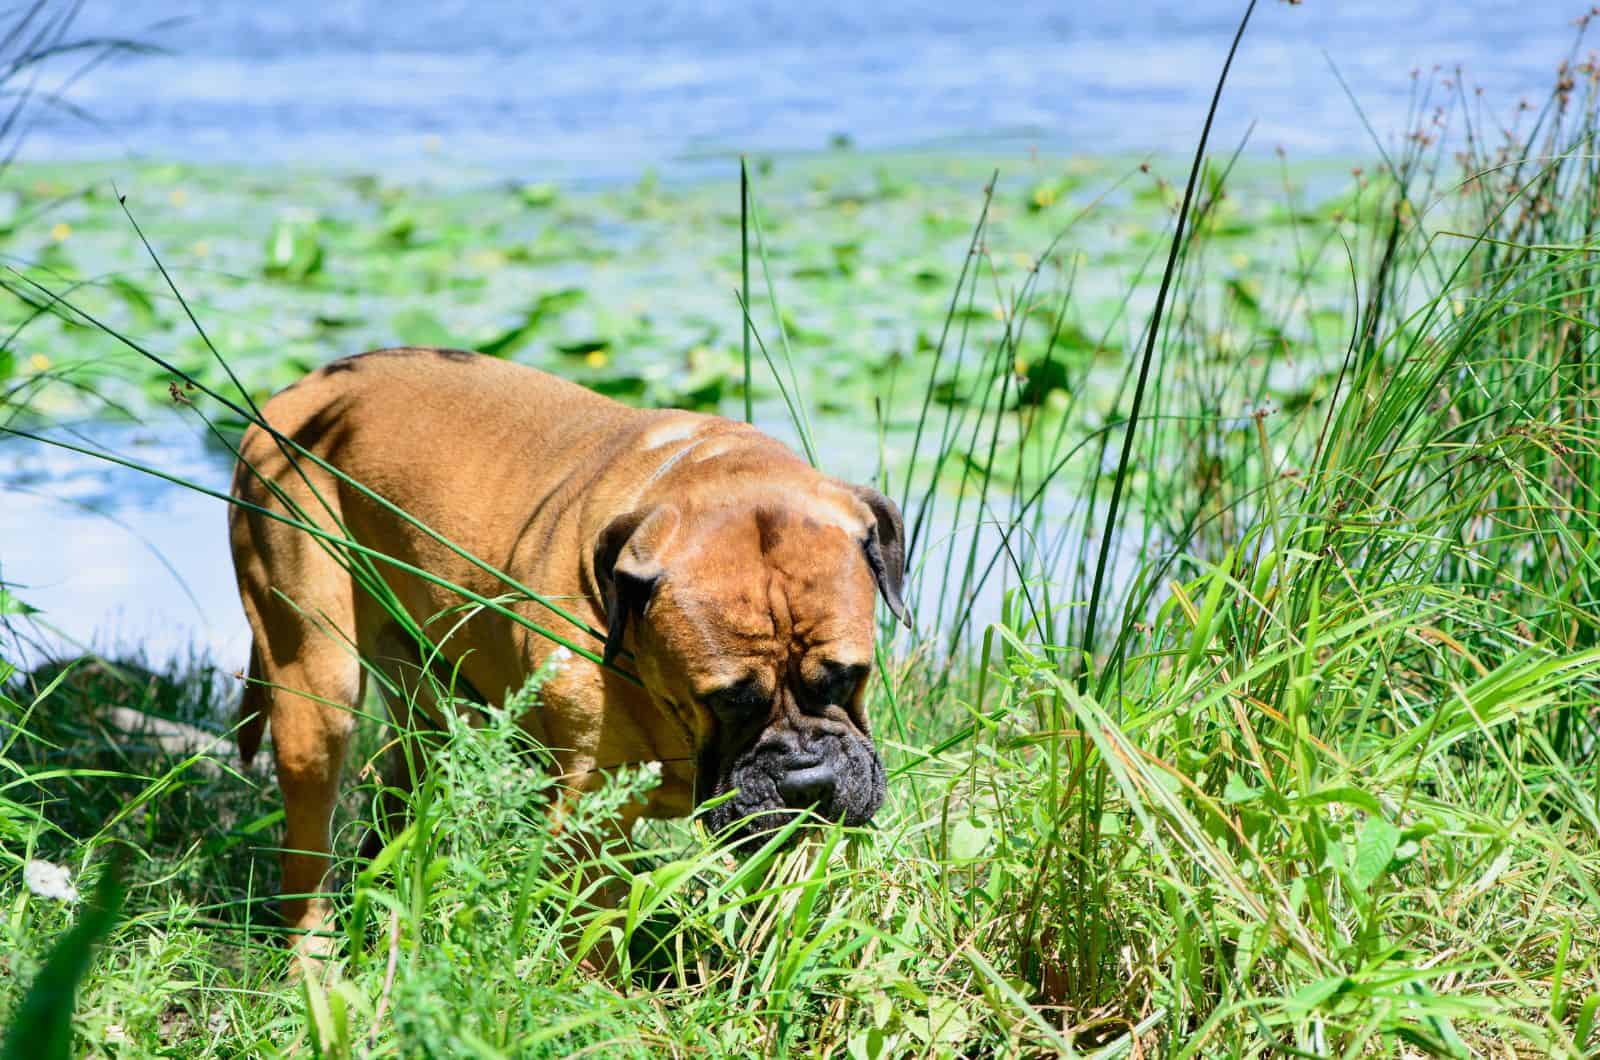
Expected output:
{"points": [[751, 622]]}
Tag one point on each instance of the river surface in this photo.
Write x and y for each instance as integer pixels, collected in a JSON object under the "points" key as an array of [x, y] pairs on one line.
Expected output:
{"points": [[600, 91], [601, 88]]}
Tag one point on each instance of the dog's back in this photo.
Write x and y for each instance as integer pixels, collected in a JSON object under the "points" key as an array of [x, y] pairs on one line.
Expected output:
{"points": [[466, 445]]}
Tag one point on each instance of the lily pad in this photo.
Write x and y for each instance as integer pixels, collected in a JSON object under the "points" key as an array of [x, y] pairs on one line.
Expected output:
{"points": [[294, 251]]}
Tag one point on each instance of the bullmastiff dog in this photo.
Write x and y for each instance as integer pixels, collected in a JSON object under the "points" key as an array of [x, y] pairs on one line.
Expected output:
{"points": [[730, 586]]}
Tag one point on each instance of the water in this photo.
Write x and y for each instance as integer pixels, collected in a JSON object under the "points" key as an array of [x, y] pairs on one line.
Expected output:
{"points": [[114, 559], [597, 91], [602, 88]]}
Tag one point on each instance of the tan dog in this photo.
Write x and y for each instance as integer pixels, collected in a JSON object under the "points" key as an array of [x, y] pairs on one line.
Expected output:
{"points": [[741, 580]]}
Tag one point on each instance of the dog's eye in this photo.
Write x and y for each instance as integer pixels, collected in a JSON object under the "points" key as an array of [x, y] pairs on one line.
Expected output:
{"points": [[738, 700], [838, 683]]}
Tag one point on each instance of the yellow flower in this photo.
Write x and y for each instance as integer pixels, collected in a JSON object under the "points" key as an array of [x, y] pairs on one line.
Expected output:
{"points": [[179, 196], [38, 363], [201, 249], [596, 359], [60, 231]]}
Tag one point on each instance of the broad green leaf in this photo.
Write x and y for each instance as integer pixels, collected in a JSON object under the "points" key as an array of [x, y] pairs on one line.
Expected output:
{"points": [[1236, 791], [970, 838], [1375, 848]]}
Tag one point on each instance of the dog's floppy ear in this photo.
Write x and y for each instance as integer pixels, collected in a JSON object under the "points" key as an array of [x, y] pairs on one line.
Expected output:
{"points": [[627, 568], [885, 547]]}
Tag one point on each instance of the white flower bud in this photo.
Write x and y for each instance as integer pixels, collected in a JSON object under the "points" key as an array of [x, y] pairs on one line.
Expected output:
{"points": [[49, 881]]}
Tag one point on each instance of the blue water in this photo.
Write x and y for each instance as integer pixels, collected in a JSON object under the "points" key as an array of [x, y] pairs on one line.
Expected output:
{"points": [[600, 89]]}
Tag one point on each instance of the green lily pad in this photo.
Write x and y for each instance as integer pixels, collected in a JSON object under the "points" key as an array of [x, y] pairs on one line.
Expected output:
{"points": [[538, 195], [294, 251]]}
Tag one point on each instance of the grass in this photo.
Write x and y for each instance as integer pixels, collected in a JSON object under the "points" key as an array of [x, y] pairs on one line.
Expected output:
{"points": [[1327, 786]]}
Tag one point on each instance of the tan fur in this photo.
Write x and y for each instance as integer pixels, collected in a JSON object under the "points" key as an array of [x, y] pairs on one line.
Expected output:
{"points": [[525, 471]]}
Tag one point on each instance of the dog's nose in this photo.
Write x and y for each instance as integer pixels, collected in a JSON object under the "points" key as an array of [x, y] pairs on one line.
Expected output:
{"points": [[809, 784]]}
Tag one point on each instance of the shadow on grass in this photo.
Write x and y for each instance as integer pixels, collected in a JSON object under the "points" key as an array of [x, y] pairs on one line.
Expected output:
{"points": [[117, 753]]}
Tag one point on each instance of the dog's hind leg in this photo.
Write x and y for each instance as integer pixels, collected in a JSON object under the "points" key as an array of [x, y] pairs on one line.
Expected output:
{"points": [[306, 684], [314, 695]]}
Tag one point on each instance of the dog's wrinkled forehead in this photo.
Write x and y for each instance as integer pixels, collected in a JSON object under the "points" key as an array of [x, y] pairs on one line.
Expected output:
{"points": [[758, 589]]}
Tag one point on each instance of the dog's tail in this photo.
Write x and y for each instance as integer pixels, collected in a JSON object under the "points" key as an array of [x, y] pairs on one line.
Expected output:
{"points": [[253, 710]]}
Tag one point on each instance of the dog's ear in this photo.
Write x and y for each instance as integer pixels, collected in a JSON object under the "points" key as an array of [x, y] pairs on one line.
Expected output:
{"points": [[885, 547], [627, 567]]}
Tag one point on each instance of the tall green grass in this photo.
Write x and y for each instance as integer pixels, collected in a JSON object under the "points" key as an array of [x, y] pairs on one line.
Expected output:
{"points": [[1324, 784]]}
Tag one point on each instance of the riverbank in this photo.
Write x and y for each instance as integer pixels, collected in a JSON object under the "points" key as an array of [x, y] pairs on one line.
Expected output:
{"points": [[1317, 775]]}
